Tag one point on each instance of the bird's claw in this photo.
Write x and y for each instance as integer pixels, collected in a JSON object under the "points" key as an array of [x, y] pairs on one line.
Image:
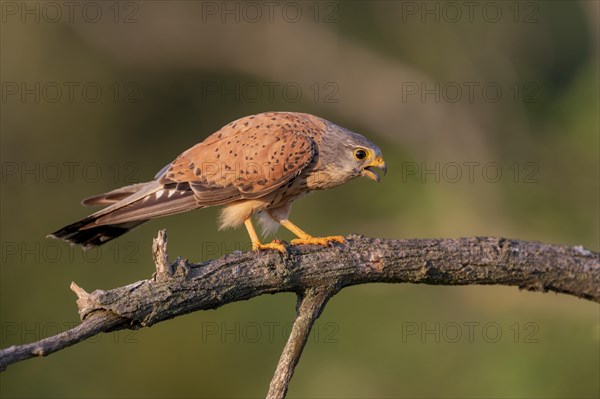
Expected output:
{"points": [[277, 245], [324, 241]]}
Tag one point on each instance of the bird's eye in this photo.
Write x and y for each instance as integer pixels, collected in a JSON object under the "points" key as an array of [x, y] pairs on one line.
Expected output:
{"points": [[360, 154]]}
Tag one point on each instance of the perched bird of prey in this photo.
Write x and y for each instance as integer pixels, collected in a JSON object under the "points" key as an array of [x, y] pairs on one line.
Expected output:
{"points": [[257, 165]]}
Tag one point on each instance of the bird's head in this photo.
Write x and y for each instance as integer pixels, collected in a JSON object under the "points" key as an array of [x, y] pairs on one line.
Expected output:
{"points": [[354, 154]]}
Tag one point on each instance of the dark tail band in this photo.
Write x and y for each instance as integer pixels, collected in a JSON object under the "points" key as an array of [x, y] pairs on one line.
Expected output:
{"points": [[89, 237]]}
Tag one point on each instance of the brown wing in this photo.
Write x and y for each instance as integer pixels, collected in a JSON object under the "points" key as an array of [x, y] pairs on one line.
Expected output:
{"points": [[246, 159], [240, 162]]}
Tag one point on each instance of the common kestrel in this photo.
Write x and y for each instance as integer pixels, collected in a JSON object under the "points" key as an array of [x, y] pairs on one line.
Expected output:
{"points": [[256, 165]]}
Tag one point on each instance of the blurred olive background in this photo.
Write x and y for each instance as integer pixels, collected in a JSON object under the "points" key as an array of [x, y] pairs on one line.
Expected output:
{"points": [[107, 94]]}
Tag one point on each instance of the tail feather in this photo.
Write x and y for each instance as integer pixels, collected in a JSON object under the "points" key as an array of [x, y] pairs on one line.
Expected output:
{"points": [[93, 236], [153, 205], [114, 196], [128, 207]]}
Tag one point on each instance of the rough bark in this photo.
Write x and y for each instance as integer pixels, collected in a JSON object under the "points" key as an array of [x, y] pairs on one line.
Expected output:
{"points": [[310, 306], [316, 274]]}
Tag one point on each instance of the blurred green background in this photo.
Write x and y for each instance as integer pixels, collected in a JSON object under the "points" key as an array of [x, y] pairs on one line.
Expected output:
{"points": [[103, 94]]}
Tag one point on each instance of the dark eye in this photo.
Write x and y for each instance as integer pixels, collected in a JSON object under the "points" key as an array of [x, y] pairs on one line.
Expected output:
{"points": [[360, 154]]}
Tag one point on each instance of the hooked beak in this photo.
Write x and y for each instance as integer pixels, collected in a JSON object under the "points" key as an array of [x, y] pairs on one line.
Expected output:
{"points": [[368, 170]]}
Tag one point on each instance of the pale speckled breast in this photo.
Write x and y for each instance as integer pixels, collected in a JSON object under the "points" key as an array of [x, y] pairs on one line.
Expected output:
{"points": [[287, 194]]}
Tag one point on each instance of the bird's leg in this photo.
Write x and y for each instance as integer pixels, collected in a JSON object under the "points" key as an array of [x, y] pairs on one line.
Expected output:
{"points": [[256, 244], [306, 239]]}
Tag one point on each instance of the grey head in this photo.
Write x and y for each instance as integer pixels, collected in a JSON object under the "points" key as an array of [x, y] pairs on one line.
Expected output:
{"points": [[344, 155]]}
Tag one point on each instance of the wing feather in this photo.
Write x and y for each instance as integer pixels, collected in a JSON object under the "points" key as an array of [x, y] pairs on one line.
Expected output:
{"points": [[245, 164]]}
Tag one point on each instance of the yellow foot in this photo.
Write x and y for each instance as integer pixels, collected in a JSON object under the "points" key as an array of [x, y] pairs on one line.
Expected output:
{"points": [[318, 240], [277, 245]]}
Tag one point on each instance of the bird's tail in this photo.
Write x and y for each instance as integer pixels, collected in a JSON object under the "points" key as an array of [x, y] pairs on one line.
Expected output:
{"points": [[81, 233], [128, 207], [89, 237], [114, 196]]}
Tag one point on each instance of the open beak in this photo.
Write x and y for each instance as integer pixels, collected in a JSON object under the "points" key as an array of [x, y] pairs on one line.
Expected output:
{"points": [[368, 170]]}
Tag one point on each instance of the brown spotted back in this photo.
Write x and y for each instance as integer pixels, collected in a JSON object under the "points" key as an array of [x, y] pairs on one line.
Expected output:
{"points": [[247, 158]]}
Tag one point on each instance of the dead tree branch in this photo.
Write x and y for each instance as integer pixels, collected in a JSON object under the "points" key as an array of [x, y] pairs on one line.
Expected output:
{"points": [[310, 306], [316, 274]]}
